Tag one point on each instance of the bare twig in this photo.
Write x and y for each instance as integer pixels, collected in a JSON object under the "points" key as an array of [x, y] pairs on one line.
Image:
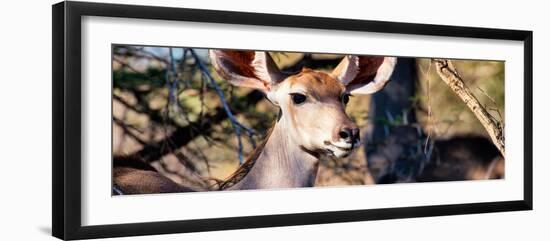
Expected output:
{"points": [[494, 107], [142, 53], [450, 76], [237, 126], [126, 130], [117, 190], [430, 114]]}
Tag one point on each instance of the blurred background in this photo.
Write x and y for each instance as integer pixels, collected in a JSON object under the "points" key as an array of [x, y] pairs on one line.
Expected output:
{"points": [[168, 112]]}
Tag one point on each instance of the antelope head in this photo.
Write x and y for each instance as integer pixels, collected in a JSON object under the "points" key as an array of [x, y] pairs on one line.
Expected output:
{"points": [[312, 103]]}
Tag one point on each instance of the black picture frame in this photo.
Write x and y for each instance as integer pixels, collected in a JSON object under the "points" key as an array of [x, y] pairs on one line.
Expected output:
{"points": [[66, 47]]}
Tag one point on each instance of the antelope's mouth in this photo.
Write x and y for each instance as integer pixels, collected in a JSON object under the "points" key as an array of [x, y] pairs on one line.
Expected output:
{"points": [[340, 149]]}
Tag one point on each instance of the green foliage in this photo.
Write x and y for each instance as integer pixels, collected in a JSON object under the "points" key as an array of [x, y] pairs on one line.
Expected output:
{"points": [[127, 79]]}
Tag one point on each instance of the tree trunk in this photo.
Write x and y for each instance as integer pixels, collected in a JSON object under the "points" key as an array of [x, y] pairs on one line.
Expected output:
{"points": [[390, 134]]}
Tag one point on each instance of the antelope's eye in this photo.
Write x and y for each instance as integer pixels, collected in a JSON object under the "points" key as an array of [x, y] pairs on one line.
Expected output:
{"points": [[298, 98], [345, 98]]}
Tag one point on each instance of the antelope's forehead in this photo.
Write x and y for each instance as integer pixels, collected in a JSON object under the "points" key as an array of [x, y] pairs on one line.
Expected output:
{"points": [[316, 83]]}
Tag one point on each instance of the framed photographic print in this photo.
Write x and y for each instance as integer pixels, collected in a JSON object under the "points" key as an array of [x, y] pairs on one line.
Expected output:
{"points": [[170, 120]]}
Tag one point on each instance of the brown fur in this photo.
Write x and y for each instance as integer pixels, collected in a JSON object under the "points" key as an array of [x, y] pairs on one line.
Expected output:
{"points": [[319, 85], [136, 181]]}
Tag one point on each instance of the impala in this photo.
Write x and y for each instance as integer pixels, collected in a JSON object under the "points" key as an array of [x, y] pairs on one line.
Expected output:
{"points": [[311, 122]]}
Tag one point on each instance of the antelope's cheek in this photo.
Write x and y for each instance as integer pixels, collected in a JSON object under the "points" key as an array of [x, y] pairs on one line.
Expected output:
{"points": [[319, 137]]}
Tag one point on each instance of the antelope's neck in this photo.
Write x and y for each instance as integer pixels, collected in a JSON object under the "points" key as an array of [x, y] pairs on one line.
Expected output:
{"points": [[281, 164]]}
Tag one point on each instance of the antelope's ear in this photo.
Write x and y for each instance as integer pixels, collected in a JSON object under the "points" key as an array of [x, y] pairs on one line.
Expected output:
{"points": [[253, 69], [365, 74]]}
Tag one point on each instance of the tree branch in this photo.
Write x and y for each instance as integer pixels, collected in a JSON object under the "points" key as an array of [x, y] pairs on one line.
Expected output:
{"points": [[237, 126], [450, 76], [183, 135]]}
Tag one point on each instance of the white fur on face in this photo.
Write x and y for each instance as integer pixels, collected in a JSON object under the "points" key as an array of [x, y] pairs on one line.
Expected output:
{"points": [[342, 149]]}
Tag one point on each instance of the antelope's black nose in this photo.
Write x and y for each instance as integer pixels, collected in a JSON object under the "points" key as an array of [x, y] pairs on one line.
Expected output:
{"points": [[350, 135]]}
